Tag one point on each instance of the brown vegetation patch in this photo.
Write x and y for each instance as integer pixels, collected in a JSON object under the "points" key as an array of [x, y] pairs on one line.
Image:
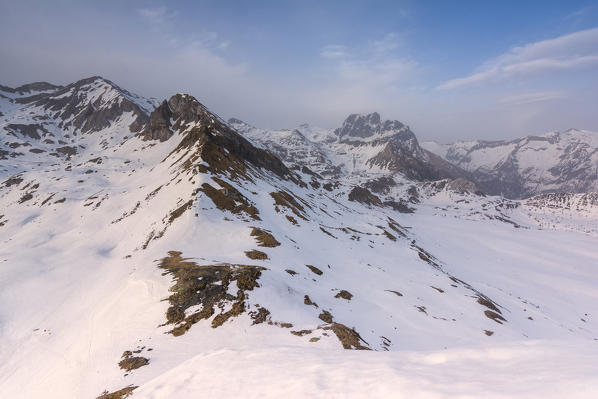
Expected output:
{"points": [[179, 211], [315, 270], [259, 316], [291, 272], [487, 302], [389, 236], [308, 301], [286, 200], [364, 196], [422, 309], [230, 199], [130, 362], [325, 316], [327, 232], [350, 339], [264, 238], [488, 332], [206, 286], [344, 294], [301, 332], [256, 255], [397, 293], [437, 289], [494, 316], [120, 394]]}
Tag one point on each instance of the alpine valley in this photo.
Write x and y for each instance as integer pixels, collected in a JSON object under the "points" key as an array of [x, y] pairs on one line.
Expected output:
{"points": [[153, 250]]}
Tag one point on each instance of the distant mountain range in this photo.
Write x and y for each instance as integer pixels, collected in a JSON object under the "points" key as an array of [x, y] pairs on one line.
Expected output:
{"points": [[553, 162], [142, 241]]}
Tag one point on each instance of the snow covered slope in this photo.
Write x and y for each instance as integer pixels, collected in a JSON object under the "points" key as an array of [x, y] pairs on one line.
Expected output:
{"points": [[553, 162], [174, 257]]}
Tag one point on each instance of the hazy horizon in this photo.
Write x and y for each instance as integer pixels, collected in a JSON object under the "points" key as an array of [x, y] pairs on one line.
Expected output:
{"points": [[451, 72]]}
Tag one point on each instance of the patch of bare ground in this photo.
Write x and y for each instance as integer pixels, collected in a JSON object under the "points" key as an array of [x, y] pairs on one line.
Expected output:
{"points": [[47, 199], [397, 293], [493, 311], [292, 220], [315, 270], [206, 286], [350, 339], [256, 255], [120, 394], [325, 316], [389, 236], [422, 309], [301, 333], [12, 181], [260, 315], [286, 200], [488, 332], [230, 199], [130, 362], [307, 300], [291, 272], [394, 225], [344, 294], [25, 198], [264, 238], [327, 232], [425, 256], [494, 316]]}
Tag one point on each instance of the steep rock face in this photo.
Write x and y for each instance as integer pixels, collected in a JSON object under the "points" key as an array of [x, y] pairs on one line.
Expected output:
{"points": [[89, 105], [363, 143], [553, 162], [403, 154], [158, 126], [220, 145], [364, 126]]}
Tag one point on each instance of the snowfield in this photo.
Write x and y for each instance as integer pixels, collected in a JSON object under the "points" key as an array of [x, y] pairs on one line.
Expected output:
{"points": [[200, 266]]}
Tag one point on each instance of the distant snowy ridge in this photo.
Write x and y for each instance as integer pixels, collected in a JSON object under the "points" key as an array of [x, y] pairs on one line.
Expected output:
{"points": [[552, 162], [154, 250]]}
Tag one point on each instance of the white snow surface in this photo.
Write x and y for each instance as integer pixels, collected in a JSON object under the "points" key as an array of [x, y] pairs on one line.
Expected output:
{"points": [[79, 284]]}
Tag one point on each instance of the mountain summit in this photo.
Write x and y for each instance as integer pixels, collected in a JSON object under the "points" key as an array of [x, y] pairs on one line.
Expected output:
{"points": [[368, 125], [150, 249]]}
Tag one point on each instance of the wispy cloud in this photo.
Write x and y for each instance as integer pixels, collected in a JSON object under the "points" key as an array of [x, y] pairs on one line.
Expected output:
{"points": [[158, 18], [530, 98], [568, 52], [333, 51]]}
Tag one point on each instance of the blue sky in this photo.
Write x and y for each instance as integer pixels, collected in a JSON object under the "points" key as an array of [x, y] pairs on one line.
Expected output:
{"points": [[451, 71]]}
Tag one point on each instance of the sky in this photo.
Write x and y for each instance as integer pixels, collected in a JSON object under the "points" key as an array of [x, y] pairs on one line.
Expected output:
{"points": [[450, 70]]}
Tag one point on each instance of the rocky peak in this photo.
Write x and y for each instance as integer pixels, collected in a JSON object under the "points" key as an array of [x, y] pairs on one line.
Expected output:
{"points": [[208, 136], [178, 111], [364, 126], [89, 105]]}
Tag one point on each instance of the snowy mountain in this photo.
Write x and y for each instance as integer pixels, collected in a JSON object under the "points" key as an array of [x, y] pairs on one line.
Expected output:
{"points": [[553, 162], [170, 254]]}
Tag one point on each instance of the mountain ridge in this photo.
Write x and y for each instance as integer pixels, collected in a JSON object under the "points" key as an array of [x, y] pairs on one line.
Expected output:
{"points": [[144, 255]]}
